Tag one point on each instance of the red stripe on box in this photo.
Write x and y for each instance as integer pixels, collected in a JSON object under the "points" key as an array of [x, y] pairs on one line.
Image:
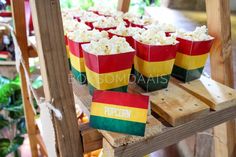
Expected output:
{"points": [[129, 39], [194, 47], [75, 48], [155, 53], [104, 29], [66, 39], [108, 63], [121, 99]]}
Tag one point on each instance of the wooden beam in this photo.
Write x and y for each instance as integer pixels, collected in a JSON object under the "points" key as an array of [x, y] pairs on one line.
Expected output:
{"points": [[55, 71], [18, 10], [123, 5], [169, 135], [218, 20]]}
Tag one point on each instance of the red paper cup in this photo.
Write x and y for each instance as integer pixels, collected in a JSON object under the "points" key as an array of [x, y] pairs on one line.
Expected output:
{"points": [[77, 61], [136, 25], [168, 34], [105, 72], [129, 39], [191, 59], [104, 29], [153, 65], [127, 22]]}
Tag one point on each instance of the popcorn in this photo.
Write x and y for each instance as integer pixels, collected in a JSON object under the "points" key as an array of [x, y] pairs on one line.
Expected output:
{"points": [[199, 34], [88, 17], [107, 22], [130, 16], [151, 37], [145, 20], [70, 25], [162, 27], [106, 11], [126, 31], [86, 35], [104, 46]]}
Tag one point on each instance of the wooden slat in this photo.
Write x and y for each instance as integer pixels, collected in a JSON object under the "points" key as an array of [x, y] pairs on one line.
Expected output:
{"points": [[219, 26], [170, 135], [177, 106], [153, 127], [18, 10], [92, 140], [214, 94], [55, 71], [123, 5]]}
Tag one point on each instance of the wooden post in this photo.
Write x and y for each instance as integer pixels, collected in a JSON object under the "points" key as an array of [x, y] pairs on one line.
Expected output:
{"points": [[18, 10], [123, 5], [55, 71], [218, 20]]}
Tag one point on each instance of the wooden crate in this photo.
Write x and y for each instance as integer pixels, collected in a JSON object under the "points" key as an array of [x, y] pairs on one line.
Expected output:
{"points": [[179, 111]]}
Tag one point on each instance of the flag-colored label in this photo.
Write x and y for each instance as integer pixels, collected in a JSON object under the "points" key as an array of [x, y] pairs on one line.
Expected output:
{"points": [[119, 112]]}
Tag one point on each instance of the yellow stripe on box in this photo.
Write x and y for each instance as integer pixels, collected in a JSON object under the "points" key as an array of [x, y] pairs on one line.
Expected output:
{"points": [[190, 62], [107, 81], [77, 63], [119, 112], [67, 51], [153, 69]]}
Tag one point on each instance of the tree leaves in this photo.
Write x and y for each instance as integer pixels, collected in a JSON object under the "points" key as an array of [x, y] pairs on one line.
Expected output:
{"points": [[7, 146]]}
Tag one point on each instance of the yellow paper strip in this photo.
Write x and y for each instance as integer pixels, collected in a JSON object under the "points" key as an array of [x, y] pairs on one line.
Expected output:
{"points": [[153, 69], [108, 80], [119, 112], [190, 62], [77, 63]]}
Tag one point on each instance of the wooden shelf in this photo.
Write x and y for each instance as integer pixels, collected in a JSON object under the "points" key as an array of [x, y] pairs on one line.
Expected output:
{"points": [[180, 111]]}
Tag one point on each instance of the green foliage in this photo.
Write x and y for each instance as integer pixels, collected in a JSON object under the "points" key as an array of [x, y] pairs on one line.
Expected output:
{"points": [[3, 122], [8, 146]]}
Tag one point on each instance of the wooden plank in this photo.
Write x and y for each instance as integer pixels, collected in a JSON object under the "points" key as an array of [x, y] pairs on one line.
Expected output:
{"points": [[123, 5], [214, 94], [54, 69], [170, 135], [18, 10], [153, 127], [219, 26], [177, 106], [92, 140]]}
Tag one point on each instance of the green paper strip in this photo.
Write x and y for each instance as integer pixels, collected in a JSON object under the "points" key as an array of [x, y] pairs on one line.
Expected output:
{"points": [[79, 76], [69, 63], [119, 89], [186, 75], [121, 126], [152, 84]]}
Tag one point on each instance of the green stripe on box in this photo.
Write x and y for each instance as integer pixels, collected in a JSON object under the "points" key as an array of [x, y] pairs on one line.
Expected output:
{"points": [[115, 125], [153, 83], [79, 76], [119, 89], [69, 63], [186, 75]]}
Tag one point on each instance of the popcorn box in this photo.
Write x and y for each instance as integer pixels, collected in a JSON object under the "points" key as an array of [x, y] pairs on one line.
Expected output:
{"points": [[90, 24], [127, 22], [136, 25], [119, 112], [191, 59], [107, 72], [168, 34], [104, 29], [77, 61], [153, 65], [129, 39], [67, 50]]}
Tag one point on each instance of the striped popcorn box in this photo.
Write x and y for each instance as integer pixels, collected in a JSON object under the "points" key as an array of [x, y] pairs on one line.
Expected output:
{"points": [[67, 50], [77, 61], [153, 65], [191, 59], [108, 72], [119, 112]]}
